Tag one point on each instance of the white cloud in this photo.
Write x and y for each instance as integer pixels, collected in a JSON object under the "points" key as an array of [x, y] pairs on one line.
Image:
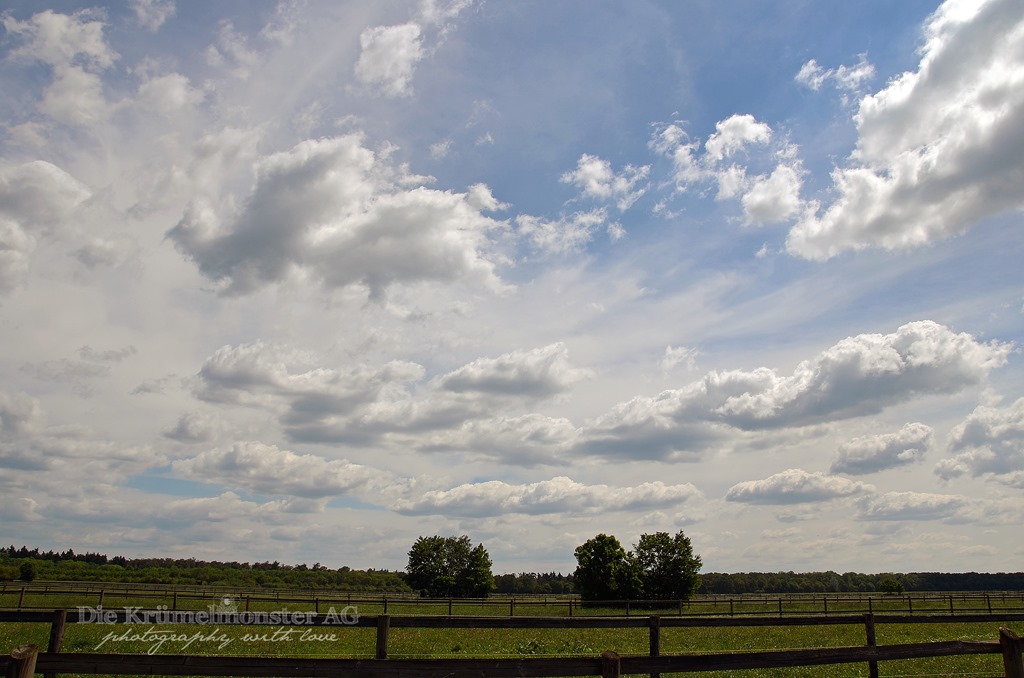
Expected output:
{"points": [[151, 14], [538, 373], [523, 440], [559, 495], [940, 148], [36, 201], [61, 39], [912, 506], [169, 94], [389, 57], [795, 486], [595, 177], [989, 443], [773, 198], [332, 211], [268, 470], [563, 235], [734, 134], [873, 453], [859, 376], [440, 149], [849, 78], [679, 355], [766, 198]]}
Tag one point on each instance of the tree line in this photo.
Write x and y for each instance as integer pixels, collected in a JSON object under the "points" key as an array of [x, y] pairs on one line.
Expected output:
{"points": [[623, 573]]}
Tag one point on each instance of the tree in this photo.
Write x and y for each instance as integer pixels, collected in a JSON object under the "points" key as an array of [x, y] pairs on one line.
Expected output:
{"points": [[27, 571], [890, 585], [604, 571], [444, 567], [668, 568]]}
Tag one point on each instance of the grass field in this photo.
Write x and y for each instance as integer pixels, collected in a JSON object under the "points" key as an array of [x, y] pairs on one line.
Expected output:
{"points": [[359, 642]]}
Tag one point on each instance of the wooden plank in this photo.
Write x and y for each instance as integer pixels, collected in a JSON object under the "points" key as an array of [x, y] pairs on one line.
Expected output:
{"points": [[810, 657], [195, 665], [1011, 647], [22, 663]]}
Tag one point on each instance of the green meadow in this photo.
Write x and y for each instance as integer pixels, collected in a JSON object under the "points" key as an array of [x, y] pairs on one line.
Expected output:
{"points": [[343, 641]]}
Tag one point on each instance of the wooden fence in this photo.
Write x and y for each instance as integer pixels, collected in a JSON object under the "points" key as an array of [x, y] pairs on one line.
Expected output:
{"points": [[35, 595], [24, 661]]}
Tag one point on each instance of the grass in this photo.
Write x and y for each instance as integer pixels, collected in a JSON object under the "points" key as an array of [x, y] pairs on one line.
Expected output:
{"points": [[359, 642]]}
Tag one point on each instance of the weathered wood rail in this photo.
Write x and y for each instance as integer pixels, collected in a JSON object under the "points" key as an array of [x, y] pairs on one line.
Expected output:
{"points": [[53, 661], [39, 595], [25, 661]]}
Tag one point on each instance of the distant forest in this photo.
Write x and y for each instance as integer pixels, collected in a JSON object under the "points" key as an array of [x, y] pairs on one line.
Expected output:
{"points": [[26, 564]]}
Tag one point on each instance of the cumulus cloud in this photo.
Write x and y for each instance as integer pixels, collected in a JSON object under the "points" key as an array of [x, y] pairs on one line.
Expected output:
{"points": [[989, 443], [525, 440], [191, 427], [60, 39], [268, 470], [939, 148], [858, 376], [69, 455], [389, 57], [559, 495], [362, 404], [537, 373], [773, 198], [596, 179], [562, 235], [74, 47], [36, 199], [151, 14], [848, 78], [766, 197], [795, 486], [887, 450], [679, 355], [912, 506], [332, 211], [309, 399]]}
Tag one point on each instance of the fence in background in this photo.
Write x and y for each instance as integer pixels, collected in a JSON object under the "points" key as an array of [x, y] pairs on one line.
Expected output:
{"points": [[53, 661]]}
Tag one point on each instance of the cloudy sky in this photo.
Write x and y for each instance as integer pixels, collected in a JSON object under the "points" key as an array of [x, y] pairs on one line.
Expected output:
{"points": [[305, 281]]}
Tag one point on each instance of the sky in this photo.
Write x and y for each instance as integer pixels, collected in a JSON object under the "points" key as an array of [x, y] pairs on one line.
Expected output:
{"points": [[304, 281]]}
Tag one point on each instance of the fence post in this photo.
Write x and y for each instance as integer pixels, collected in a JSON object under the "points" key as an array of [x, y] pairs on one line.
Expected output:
{"points": [[449, 607], [383, 624], [511, 607], [611, 667], [21, 598], [869, 628], [654, 624], [1011, 646], [60, 618], [23, 662]]}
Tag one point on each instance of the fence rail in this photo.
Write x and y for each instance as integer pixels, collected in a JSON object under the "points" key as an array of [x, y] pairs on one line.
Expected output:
{"points": [[24, 661], [53, 661], [39, 595]]}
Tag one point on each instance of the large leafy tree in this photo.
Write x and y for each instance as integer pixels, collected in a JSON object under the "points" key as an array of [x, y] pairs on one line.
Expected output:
{"points": [[668, 567], [444, 567], [604, 571]]}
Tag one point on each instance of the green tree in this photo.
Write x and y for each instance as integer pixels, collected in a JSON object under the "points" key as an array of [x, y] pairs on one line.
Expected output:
{"points": [[444, 567], [668, 567], [890, 585], [604, 571], [28, 570]]}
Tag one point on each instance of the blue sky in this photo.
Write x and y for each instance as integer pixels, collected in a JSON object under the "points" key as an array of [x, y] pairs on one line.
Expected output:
{"points": [[303, 281]]}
